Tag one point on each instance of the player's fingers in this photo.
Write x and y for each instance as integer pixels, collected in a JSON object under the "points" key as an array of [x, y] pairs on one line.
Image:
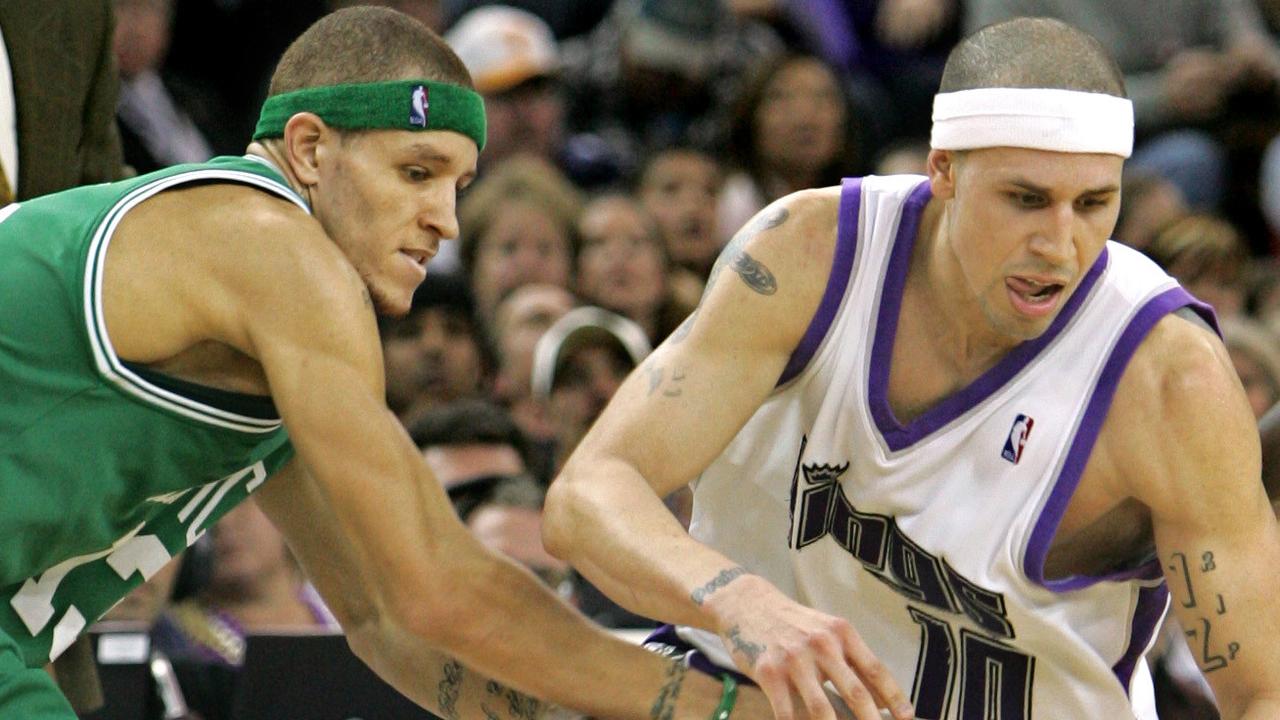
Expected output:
{"points": [[875, 676], [772, 680], [805, 680], [834, 666]]}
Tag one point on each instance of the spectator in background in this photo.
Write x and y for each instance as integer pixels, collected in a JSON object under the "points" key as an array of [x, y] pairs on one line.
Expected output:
{"points": [[679, 187], [514, 62], [58, 90], [791, 128], [156, 126], [1184, 62], [1150, 203], [254, 585], [906, 157], [1207, 256], [519, 322], [577, 366], [566, 18], [655, 73], [438, 353], [518, 226], [1255, 352], [622, 265], [479, 455]]}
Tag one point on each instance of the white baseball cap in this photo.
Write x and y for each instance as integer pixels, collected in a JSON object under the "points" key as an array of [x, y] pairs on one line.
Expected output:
{"points": [[503, 46]]}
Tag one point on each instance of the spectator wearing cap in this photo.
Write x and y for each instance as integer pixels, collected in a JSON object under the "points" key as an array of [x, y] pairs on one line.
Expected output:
{"points": [[655, 73], [1254, 348], [480, 457], [438, 352], [578, 364], [514, 62], [518, 226]]}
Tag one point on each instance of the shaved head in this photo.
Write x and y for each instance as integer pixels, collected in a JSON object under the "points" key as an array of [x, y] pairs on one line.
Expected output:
{"points": [[1032, 53]]}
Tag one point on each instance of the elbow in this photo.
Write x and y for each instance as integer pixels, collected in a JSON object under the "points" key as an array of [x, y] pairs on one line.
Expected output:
{"points": [[562, 519]]}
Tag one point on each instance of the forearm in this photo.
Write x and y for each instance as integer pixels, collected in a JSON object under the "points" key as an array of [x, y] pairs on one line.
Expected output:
{"points": [[537, 645], [641, 557]]}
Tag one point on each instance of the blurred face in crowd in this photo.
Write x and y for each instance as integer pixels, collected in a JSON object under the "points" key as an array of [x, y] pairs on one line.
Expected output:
{"points": [[523, 244], [679, 190], [621, 264], [141, 35], [528, 118], [1260, 388], [519, 321], [432, 357], [247, 551], [587, 378], [801, 118]]}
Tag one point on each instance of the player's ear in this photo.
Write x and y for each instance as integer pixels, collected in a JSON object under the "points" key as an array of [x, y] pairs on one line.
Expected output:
{"points": [[941, 167], [304, 134]]}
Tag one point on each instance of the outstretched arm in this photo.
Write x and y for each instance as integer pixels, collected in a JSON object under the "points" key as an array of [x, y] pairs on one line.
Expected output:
{"points": [[1184, 430], [667, 422], [378, 535]]}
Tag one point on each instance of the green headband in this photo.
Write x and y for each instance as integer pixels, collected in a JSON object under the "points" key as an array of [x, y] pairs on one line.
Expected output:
{"points": [[395, 105]]}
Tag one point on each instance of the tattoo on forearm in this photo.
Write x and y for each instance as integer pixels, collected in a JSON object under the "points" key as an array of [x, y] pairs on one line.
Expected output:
{"points": [[664, 706], [755, 274], [519, 705], [447, 691], [725, 577], [751, 651], [657, 372], [1211, 657]]}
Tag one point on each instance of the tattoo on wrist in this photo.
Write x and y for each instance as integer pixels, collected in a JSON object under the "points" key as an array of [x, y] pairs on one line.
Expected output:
{"points": [[519, 705], [664, 706], [725, 577], [751, 651], [447, 691]]}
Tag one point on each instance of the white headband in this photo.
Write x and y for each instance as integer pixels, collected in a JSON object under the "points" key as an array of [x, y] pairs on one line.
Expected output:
{"points": [[1036, 118]]}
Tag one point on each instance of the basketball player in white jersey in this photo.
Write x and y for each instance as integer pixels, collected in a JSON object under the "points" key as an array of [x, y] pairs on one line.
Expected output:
{"points": [[955, 453]]}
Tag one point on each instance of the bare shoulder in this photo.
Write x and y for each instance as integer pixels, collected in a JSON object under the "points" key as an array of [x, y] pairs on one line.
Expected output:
{"points": [[1179, 424], [200, 263]]}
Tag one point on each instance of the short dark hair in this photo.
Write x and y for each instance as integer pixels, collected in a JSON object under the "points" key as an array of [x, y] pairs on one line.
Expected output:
{"points": [[366, 44], [1030, 52], [469, 422]]}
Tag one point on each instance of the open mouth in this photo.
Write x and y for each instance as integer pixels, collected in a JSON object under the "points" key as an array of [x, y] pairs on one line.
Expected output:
{"points": [[1033, 297]]}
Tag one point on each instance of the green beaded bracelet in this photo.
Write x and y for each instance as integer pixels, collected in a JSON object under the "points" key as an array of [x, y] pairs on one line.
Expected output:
{"points": [[727, 698]]}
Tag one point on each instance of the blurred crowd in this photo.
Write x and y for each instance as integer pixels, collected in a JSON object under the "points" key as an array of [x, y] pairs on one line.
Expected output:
{"points": [[628, 140]]}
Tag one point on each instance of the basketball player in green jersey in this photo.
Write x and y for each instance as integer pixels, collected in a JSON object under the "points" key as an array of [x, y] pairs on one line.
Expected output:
{"points": [[172, 343]]}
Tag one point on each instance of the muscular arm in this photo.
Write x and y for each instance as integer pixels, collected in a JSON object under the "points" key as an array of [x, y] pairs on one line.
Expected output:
{"points": [[667, 422], [377, 533], [1194, 461]]}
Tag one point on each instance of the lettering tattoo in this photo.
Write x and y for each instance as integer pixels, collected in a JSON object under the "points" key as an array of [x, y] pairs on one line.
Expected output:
{"points": [[753, 272], [725, 577], [751, 651], [447, 691], [1210, 658], [664, 706], [657, 372], [519, 705]]}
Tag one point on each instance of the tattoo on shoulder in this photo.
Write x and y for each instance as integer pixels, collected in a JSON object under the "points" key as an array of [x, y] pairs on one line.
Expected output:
{"points": [[725, 577], [751, 651], [519, 705], [664, 706], [447, 691], [1185, 572], [755, 274]]}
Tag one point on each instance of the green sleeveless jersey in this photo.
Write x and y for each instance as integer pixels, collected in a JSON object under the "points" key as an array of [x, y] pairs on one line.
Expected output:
{"points": [[106, 470]]}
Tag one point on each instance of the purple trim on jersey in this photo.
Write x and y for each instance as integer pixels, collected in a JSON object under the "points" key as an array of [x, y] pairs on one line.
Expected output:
{"points": [[1082, 445], [1146, 618], [837, 282], [666, 636], [898, 436]]}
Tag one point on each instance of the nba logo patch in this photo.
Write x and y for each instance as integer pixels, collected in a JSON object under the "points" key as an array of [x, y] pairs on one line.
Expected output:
{"points": [[1017, 439], [418, 106]]}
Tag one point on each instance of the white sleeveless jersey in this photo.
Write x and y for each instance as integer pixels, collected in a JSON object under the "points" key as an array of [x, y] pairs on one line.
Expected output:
{"points": [[930, 536]]}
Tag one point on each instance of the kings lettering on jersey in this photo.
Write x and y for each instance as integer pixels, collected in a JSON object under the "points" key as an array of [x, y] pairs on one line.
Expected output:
{"points": [[876, 541]]}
